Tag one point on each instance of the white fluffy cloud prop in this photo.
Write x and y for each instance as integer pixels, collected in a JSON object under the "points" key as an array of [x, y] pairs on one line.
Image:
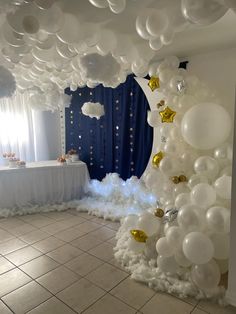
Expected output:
{"points": [[7, 83], [93, 110]]}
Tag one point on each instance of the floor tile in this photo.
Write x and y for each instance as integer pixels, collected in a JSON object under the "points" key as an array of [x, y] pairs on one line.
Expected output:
{"points": [[57, 215], [55, 227], [4, 309], [38, 221], [106, 276], [12, 280], [74, 221], [109, 305], [214, 308], [23, 255], [114, 262], [69, 234], [113, 241], [64, 253], [81, 295], [114, 225], [5, 265], [11, 246], [86, 242], [103, 251], [39, 266], [89, 226], [58, 279], [84, 215], [52, 306], [166, 304], [5, 236], [133, 293], [100, 221], [26, 298], [48, 244], [34, 236], [84, 264], [10, 223], [103, 233], [22, 229]]}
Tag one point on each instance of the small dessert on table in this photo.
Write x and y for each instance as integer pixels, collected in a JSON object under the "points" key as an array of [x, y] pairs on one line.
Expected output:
{"points": [[12, 162], [21, 164], [73, 155]]}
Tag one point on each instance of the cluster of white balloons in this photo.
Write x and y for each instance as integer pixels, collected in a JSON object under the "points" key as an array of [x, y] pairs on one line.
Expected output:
{"points": [[53, 44], [93, 110], [195, 147]]}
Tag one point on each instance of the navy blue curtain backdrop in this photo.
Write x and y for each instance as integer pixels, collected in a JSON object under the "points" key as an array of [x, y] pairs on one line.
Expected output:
{"points": [[121, 141]]}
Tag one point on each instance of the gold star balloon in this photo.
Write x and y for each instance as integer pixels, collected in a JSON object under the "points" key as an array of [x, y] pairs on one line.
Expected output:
{"points": [[159, 212], [154, 83], [167, 115], [156, 159], [139, 235]]}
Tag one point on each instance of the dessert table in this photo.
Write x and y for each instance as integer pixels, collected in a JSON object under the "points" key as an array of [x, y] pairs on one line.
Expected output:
{"points": [[41, 183]]}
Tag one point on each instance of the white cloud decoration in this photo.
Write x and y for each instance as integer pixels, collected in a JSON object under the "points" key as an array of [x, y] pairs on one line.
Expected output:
{"points": [[93, 110]]}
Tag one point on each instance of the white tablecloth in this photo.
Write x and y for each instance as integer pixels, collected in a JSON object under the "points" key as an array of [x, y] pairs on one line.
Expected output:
{"points": [[42, 183]]}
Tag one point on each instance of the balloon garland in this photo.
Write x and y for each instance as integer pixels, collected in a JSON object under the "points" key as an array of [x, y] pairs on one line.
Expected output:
{"points": [[191, 175]]}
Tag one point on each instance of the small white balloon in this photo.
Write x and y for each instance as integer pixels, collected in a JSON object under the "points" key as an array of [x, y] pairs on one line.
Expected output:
{"points": [[218, 219], [223, 187], [174, 237], [182, 199], [156, 23], [196, 179], [203, 195], [149, 223], [167, 264], [188, 219], [163, 247], [181, 259], [206, 166], [198, 248]]}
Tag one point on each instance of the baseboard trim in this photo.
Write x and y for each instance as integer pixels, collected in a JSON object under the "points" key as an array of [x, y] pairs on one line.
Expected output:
{"points": [[231, 297]]}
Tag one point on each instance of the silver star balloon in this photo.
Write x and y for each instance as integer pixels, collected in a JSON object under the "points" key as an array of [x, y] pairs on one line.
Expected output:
{"points": [[170, 215], [181, 86]]}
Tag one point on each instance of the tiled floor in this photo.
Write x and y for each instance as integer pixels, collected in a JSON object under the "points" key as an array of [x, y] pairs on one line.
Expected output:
{"points": [[63, 263]]}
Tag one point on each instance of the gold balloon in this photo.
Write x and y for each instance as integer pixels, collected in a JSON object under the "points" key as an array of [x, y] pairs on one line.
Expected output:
{"points": [[154, 83], [159, 212], [175, 179], [183, 178], [139, 235], [160, 104], [167, 115], [156, 159]]}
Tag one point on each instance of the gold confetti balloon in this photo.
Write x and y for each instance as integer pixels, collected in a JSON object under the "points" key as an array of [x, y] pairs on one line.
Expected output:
{"points": [[161, 104], [175, 179], [139, 235], [156, 159], [159, 212], [183, 178], [167, 115], [154, 83]]}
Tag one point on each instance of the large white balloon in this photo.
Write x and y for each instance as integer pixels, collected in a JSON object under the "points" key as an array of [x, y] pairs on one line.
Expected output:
{"points": [[188, 218], [206, 126], [203, 195], [207, 276], [206, 166], [149, 224], [156, 23], [198, 248], [218, 219], [163, 248], [167, 264], [174, 237]]}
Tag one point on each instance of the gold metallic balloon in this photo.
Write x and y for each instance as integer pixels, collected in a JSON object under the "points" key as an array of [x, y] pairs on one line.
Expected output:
{"points": [[154, 83], [183, 178], [139, 235], [159, 212], [167, 115], [156, 159], [160, 104], [175, 179]]}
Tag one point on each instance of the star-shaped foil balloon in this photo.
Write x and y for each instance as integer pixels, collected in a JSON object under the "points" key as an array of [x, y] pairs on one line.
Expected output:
{"points": [[156, 159], [139, 235], [154, 83], [167, 115]]}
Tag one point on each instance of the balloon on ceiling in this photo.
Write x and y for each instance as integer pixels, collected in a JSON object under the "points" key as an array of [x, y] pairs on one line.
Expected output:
{"points": [[49, 45], [190, 173]]}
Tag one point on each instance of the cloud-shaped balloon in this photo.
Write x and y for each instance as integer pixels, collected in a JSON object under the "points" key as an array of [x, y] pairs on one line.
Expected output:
{"points": [[7, 83], [93, 110]]}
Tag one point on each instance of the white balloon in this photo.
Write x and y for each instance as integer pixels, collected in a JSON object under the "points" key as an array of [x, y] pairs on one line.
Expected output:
{"points": [[169, 165], [174, 237], [182, 199], [156, 23], [136, 247], [141, 26], [181, 259], [65, 34], [163, 247], [206, 166], [188, 219], [207, 276], [223, 187], [153, 118], [196, 179], [155, 43], [203, 195], [206, 126], [149, 224], [218, 219], [198, 248], [167, 264]]}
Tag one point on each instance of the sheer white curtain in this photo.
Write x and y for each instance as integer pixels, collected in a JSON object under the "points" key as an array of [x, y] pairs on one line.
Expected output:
{"points": [[26, 132]]}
